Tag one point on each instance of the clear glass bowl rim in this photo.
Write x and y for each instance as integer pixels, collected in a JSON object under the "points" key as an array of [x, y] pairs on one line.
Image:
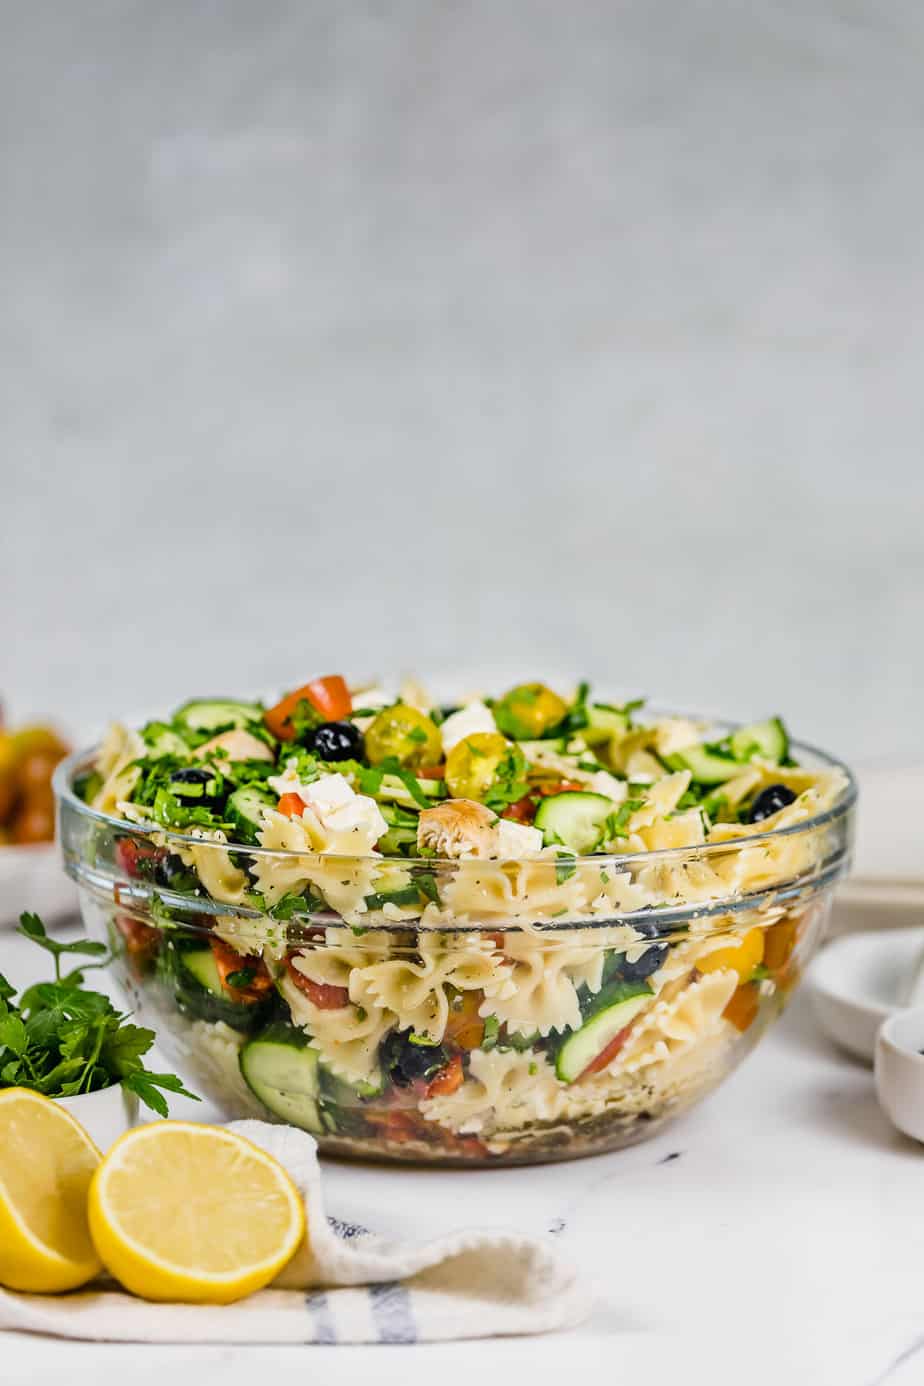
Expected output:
{"points": [[77, 760]]}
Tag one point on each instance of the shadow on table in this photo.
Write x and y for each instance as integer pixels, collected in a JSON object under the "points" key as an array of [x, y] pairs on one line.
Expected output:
{"points": [[844, 1099], [798, 1029]]}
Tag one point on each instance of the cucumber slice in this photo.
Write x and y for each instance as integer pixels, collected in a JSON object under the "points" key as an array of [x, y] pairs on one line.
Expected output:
{"points": [[217, 714], [604, 723], [201, 966], [402, 831], [407, 895], [344, 1094], [706, 767], [613, 1009], [769, 739], [162, 740], [576, 819], [282, 1072], [199, 993], [395, 791], [245, 810]]}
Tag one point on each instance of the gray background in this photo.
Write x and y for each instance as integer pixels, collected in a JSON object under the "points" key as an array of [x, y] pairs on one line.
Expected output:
{"points": [[502, 337]]}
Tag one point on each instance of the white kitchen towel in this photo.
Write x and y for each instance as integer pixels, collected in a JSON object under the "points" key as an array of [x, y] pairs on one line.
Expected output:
{"points": [[345, 1286]]}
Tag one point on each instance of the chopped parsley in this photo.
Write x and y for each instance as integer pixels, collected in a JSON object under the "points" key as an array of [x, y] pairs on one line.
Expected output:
{"points": [[617, 823], [427, 884], [240, 979], [565, 867], [509, 783]]}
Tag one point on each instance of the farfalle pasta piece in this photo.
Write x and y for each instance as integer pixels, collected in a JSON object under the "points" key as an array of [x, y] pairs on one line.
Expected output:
{"points": [[546, 971], [347, 1038], [413, 986], [115, 766], [682, 957], [672, 1026], [549, 886], [679, 830], [214, 865], [659, 1088], [661, 798], [340, 958], [503, 1089], [340, 867]]}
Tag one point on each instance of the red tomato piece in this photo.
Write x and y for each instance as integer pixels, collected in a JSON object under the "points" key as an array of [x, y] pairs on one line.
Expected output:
{"points": [[448, 1079], [522, 811], [228, 961], [141, 941], [320, 994], [608, 1054], [329, 696], [133, 855]]}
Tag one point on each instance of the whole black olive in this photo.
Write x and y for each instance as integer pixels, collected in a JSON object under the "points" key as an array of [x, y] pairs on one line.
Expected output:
{"points": [[196, 788], [617, 966], [406, 1061], [337, 741], [645, 965], [770, 800]]}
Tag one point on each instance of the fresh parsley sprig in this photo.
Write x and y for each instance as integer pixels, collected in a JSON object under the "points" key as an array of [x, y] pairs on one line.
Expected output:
{"points": [[61, 1039]]}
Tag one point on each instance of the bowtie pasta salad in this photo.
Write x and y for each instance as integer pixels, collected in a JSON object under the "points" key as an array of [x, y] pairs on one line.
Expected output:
{"points": [[523, 927]]}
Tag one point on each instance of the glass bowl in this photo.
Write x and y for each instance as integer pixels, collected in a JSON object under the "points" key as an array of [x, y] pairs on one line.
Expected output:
{"points": [[465, 1012]]}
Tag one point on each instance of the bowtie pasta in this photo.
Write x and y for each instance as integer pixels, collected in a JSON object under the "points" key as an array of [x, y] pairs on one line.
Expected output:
{"points": [[523, 927]]}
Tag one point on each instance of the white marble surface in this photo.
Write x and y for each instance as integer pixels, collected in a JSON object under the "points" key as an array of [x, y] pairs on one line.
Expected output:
{"points": [[429, 335], [783, 1242]]}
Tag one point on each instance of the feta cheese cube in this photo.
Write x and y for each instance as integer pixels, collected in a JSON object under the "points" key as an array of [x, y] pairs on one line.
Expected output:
{"points": [[328, 793], [517, 839], [360, 813], [468, 720]]}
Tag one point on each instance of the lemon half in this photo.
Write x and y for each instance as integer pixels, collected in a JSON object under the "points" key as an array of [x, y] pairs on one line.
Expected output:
{"points": [[47, 1161], [196, 1213]]}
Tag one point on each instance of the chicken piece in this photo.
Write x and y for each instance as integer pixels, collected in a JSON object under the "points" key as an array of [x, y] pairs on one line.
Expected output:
{"points": [[458, 828], [238, 744]]}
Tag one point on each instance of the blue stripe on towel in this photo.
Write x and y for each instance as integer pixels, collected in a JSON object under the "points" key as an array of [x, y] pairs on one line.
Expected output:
{"points": [[316, 1303], [391, 1312], [347, 1230]]}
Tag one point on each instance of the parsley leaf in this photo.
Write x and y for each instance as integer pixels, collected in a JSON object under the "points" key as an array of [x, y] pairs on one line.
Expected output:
{"points": [[509, 783], [30, 926], [61, 1039], [427, 884], [391, 766], [577, 715], [565, 867], [616, 823], [240, 979], [145, 1086]]}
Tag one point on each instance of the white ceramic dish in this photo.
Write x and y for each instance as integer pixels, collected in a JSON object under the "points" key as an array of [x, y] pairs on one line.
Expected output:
{"points": [[32, 878], [900, 1071], [860, 980], [105, 1115]]}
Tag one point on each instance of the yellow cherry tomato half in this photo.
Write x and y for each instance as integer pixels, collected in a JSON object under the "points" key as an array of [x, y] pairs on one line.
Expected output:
{"points": [[472, 764], [405, 733], [528, 711], [742, 957]]}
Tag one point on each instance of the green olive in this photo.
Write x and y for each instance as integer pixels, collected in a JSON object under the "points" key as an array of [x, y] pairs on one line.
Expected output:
{"points": [[408, 735], [472, 764], [529, 711]]}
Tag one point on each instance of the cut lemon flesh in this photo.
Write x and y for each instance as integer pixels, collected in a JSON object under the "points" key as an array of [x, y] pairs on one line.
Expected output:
{"points": [[47, 1161], [186, 1212]]}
